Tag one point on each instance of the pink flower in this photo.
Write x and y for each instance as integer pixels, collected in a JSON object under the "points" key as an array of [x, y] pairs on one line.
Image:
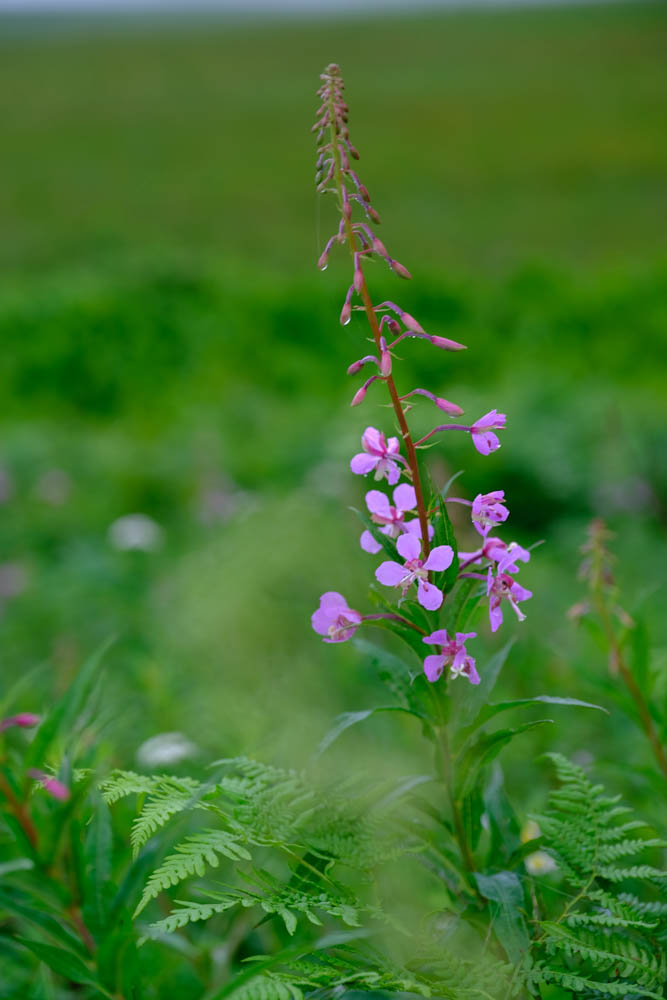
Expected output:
{"points": [[392, 574], [488, 509], [334, 620], [51, 785], [392, 518], [378, 454], [452, 654], [25, 720], [482, 430], [504, 587], [499, 552]]}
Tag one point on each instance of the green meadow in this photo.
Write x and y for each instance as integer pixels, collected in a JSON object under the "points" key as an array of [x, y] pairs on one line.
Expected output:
{"points": [[169, 348]]}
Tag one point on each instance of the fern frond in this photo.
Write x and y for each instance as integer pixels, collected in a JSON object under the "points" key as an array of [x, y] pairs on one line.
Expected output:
{"points": [[267, 986], [192, 857], [120, 784], [604, 943], [167, 797]]}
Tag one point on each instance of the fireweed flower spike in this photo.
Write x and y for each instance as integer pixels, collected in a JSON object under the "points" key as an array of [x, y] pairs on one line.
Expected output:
{"points": [[379, 455], [334, 620], [392, 574], [452, 654], [390, 457]]}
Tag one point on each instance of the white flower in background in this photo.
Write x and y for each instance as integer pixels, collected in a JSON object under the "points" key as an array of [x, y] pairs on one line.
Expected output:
{"points": [[164, 749], [539, 862], [136, 531]]}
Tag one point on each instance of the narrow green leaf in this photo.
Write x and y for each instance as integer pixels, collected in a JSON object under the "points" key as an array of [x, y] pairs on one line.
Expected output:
{"points": [[65, 963], [489, 711], [64, 713], [97, 854], [348, 719], [444, 535], [504, 891], [19, 904], [486, 748], [468, 700]]}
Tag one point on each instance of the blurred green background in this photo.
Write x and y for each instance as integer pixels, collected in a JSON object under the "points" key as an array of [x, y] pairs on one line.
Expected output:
{"points": [[169, 349]]}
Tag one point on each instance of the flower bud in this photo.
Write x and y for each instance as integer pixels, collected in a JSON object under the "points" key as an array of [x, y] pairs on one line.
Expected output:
{"points": [[399, 269], [358, 274], [372, 214], [25, 720], [360, 393], [379, 247], [446, 344], [385, 358], [346, 311], [448, 407]]}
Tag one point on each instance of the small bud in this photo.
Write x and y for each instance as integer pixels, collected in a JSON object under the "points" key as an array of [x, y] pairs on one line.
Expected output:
{"points": [[379, 247], [51, 785], [324, 257], [360, 393], [399, 269], [347, 207], [411, 323], [372, 214], [446, 344], [385, 358], [448, 407], [353, 152], [346, 311], [358, 274], [24, 720]]}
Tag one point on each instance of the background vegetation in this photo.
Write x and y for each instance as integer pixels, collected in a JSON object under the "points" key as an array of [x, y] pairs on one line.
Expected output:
{"points": [[169, 348]]}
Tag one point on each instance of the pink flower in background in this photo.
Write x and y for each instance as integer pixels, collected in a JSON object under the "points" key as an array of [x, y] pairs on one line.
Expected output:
{"points": [[392, 518], [54, 787], [379, 455], [333, 619], [488, 509], [25, 720], [503, 587], [482, 430], [392, 574], [452, 654]]}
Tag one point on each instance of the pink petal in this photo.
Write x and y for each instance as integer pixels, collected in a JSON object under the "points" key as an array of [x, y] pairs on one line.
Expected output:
{"points": [[369, 544], [392, 470], [321, 620], [440, 558], [371, 441], [437, 638], [393, 446], [428, 595], [495, 616], [332, 599], [485, 442], [473, 676], [390, 573], [378, 503], [408, 546], [405, 497], [363, 463], [433, 667]]}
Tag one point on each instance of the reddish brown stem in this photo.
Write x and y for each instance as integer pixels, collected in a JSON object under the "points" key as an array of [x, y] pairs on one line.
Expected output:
{"points": [[20, 812], [375, 329]]}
